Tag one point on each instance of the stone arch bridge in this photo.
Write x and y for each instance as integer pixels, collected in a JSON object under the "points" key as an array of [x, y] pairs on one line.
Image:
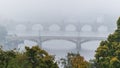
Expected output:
{"points": [[76, 27], [78, 40], [60, 26]]}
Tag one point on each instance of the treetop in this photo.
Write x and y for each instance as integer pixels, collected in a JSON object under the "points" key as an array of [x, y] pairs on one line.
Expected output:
{"points": [[118, 23]]}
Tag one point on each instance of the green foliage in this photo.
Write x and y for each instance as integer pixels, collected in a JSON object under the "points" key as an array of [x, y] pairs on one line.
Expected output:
{"points": [[118, 23], [6, 57], [75, 61], [108, 53], [39, 58], [32, 58]]}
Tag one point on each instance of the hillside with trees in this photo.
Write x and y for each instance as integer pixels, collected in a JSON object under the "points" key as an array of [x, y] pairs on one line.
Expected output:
{"points": [[33, 57], [74, 60], [108, 53]]}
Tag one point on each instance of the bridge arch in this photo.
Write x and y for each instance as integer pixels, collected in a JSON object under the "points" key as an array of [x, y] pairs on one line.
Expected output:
{"points": [[86, 28], [54, 27], [56, 44], [70, 27], [70, 40], [37, 27]]}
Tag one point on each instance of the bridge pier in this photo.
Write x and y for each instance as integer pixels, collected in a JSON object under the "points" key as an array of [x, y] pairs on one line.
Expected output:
{"points": [[78, 46], [40, 44]]}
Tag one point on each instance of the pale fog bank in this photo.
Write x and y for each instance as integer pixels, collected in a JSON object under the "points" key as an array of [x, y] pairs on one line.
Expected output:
{"points": [[57, 10]]}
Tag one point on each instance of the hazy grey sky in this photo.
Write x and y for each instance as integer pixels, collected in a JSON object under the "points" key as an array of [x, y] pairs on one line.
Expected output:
{"points": [[37, 10]]}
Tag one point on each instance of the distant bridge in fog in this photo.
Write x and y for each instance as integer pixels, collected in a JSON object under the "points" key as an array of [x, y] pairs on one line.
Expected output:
{"points": [[60, 31], [62, 26], [78, 40]]}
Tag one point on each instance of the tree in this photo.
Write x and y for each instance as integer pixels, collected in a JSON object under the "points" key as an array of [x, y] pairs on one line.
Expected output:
{"points": [[6, 57], [108, 53], [39, 58], [33, 57], [75, 61]]}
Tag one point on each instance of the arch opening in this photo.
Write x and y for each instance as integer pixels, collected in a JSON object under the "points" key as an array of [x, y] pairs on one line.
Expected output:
{"points": [[93, 44], [70, 27], [86, 28], [54, 27], [56, 44], [37, 27]]}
